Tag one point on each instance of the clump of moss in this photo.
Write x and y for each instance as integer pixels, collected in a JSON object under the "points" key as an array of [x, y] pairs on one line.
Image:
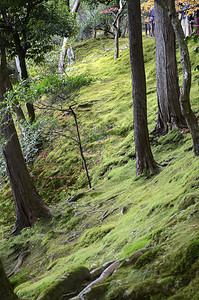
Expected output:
{"points": [[19, 278], [68, 284], [94, 234], [98, 292], [190, 256], [146, 258], [143, 242], [188, 200], [151, 289]]}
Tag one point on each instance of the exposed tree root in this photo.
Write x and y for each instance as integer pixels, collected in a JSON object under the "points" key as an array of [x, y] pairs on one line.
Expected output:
{"points": [[21, 258], [107, 272]]}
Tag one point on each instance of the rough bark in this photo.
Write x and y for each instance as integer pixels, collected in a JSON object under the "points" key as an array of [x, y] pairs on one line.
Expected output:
{"points": [[168, 90], [6, 291], [144, 157], [66, 42], [28, 204], [190, 117]]}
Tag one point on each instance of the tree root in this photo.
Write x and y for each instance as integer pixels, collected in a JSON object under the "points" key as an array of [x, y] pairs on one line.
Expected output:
{"points": [[107, 272], [21, 258]]}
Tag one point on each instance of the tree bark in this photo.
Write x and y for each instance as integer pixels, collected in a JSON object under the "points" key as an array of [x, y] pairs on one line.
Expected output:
{"points": [[17, 108], [28, 204], [190, 117], [144, 157], [66, 42], [21, 52], [116, 25], [168, 90], [6, 291]]}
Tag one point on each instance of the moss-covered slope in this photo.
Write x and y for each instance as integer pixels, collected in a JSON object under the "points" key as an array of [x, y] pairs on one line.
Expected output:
{"points": [[122, 214]]}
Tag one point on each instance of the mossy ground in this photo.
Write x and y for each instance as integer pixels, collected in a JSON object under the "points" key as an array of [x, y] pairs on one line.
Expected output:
{"points": [[122, 213]]}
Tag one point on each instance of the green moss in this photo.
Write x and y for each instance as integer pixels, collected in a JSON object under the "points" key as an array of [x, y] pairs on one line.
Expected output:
{"points": [[188, 200], [19, 278], [139, 244], [160, 211], [146, 258], [98, 292], [66, 285], [190, 256], [95, 234]]}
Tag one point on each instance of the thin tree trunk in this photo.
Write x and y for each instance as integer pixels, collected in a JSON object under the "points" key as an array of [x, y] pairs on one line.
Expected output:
{"points": [[168, 90], [66, 41], [144, 157], [116, 26], [17, 68], [28, 204], [80, 147], [116, 44], [186, 69], [6, 291], [124, 30]]}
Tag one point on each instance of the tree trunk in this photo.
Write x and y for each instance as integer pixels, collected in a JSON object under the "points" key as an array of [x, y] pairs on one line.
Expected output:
{"points": [[125, 28], [66, 42], [6, 291], [17, 108], [21, 52], [116, 43], [28, 204], [24, 74], [186, 69], [80, 147], [116, 26], [168, 91], [144, 157]]}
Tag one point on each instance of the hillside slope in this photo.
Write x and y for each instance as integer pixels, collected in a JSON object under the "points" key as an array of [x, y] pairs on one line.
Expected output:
{"points": [[147, 225]]}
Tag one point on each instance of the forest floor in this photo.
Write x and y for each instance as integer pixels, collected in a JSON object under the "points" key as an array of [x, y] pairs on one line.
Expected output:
{"points": [[148, 225]]}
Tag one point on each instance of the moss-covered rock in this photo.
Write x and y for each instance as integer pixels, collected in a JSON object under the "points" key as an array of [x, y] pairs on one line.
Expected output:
{"points": [[66, 286], [151, 289], [98, 292], [190, 256]]}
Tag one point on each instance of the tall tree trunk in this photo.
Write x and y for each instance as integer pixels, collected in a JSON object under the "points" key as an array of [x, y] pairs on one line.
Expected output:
{"points": [[17, 107], [21, 52], [28, 204], [190, 117], [168, 90], [66, 42], [144, 157], [6, 291], [24, 74]]}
